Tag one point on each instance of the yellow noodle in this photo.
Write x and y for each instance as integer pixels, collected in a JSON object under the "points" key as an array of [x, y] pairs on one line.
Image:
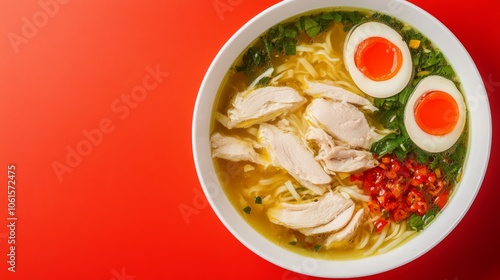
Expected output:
{"points": [[396, 242], [377, 244], [394, 229]]}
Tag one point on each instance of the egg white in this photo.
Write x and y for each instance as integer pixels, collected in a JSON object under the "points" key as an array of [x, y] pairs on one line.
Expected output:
{"points": [[422, 139], [378, 89]]}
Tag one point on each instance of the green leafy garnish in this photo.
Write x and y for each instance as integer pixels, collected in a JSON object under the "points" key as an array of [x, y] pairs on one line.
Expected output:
{"points": [[429, 216], [418, 223], [350, 19], [388, 118], [387, 144], [309, 25], [334, 16], [258, 200], [316, 247], [247, 209], [254, 61], [392, 22]]}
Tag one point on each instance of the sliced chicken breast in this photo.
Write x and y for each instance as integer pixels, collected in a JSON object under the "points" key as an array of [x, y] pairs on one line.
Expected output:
{"points": [[233, 148], [334, 225], [336, 158], [343, 121], [309, 214], [263, 104], [318, 89], [324, 141], [346, 233], [345, 159], [289, 152]]}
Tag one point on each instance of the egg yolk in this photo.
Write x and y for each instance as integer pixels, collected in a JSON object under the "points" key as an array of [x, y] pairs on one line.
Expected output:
{"points": [[436, 113], [378, 58]]}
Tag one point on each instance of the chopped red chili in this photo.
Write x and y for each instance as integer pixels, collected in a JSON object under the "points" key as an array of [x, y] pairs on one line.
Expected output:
{"points": [[441, 199], [380, 224], [400, 188]]}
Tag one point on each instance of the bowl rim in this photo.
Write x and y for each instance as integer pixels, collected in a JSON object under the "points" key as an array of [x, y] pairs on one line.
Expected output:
{"points": [[476, 160]]}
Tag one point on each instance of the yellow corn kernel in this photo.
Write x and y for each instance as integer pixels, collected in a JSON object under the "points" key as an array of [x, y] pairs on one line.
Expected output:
{"points": [[414, 44], [423, 73], [438, 172]]}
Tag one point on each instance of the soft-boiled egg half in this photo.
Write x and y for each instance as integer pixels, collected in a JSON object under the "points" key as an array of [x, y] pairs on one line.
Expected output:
{"points": [[435, 114], [378, 59]]}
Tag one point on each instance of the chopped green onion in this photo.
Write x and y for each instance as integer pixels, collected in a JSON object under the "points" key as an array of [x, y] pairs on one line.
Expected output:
{"points": [[402, 147]]}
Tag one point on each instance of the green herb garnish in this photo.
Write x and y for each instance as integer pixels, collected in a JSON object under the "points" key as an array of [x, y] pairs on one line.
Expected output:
{"points": [[316, 247], [418, 223], [309, 26], [258, 200]]}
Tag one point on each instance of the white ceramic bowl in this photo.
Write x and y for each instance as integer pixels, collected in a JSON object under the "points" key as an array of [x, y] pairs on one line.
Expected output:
{"points": [[474, 168]]}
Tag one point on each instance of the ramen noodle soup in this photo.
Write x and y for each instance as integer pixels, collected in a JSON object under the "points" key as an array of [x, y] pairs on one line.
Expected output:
{"points": [[340, 133]]}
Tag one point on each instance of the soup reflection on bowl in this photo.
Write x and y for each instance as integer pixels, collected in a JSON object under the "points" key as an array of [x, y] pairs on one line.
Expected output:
{"points": [[336, 141]]}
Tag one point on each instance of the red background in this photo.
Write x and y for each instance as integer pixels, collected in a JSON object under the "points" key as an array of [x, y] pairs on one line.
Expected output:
{"points": [[116, 212]]}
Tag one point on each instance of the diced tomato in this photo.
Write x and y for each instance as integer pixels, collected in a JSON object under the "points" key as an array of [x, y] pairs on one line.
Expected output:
{"points": [[380, 224]]}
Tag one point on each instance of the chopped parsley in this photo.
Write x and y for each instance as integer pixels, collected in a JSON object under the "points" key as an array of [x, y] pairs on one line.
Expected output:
{"points": [[316, 247], [258, 200]]}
